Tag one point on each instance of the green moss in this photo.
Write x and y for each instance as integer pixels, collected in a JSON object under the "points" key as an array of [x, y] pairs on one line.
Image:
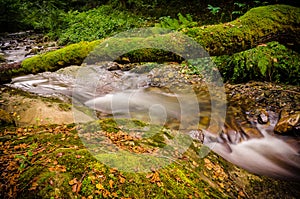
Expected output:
{"points": [[73, 54], [273, 62], [2, 58], [261, 24], [59, 157], [5, 119]]}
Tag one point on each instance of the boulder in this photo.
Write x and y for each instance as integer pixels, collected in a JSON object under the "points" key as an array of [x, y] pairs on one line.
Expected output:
{"points": [[288, 123]]}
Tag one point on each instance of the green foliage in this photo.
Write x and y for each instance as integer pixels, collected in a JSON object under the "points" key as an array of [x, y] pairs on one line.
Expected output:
{"points": [[213, 10], [11, 15], [273, 62], [96, 24], [176, 24], [242, 8]]}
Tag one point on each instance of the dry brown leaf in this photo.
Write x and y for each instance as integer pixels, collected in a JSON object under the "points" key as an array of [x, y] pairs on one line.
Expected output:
{"points": [[74, 188], [79, 184]]}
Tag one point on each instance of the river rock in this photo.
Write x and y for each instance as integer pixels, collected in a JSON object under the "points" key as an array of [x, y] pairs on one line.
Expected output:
{"points": [[289, 123], [263, 117], [5, 118]]}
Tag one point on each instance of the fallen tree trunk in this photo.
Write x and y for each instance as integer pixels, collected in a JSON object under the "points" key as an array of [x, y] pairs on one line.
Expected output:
{"points": [[259, 25]]}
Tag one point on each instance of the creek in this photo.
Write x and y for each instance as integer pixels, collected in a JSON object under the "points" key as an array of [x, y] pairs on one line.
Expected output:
{"points": [[160, 94]]}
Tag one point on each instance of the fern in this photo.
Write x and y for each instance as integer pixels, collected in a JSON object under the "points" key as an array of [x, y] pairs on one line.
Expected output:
{"points": [[176, 24]]}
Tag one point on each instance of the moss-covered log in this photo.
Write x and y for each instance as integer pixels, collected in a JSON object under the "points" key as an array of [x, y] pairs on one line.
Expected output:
{"points": [[259, 25]]}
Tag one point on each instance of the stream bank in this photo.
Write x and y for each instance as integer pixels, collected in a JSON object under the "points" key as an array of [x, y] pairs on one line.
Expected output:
{"points": [[248, 138]]}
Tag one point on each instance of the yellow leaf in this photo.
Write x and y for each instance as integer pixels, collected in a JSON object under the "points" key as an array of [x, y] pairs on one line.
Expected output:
{"points": [[99, 186]]}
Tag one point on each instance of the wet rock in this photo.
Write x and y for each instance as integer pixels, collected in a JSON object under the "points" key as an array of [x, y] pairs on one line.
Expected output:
{"points": [[112, 66], [263, 117], [289, 123], [5, 118]]}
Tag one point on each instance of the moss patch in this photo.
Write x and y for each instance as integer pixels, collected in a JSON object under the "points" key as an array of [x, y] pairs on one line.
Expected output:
{"points": [[271, 62], [57, 165]]}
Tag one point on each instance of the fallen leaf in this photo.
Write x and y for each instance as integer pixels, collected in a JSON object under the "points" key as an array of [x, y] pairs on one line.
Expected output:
{"points": [[51, 169], [106, 193], [59, 155], [33, 186], [79, 184], [149, 175], [263, 45], [122, 179], [111, 183], [155, 178], [73, 181], [99, 186], [74, 188]]}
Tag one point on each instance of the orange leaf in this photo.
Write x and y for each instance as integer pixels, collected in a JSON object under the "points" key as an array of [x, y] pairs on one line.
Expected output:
{"points": [[111, 183], [155, 178], [78, 187], [149, 175], [106, 193], [263, 45], [113, 170], [74, 188], [33, 186], [51, 169], [122, 179], [72, 182]]}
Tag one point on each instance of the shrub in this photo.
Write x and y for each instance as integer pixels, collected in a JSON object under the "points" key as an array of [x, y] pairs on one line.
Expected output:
{"points": [[97, 23]]}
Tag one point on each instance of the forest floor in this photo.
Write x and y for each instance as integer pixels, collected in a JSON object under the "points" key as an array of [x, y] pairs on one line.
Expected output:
{"points": [[51, 160]]}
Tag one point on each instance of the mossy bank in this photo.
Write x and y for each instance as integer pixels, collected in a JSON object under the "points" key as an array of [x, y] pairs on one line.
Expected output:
{"points": [[52, 162]]}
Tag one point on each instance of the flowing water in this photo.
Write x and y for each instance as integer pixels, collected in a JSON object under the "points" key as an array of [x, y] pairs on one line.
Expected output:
{"points": [[138, 95]]}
